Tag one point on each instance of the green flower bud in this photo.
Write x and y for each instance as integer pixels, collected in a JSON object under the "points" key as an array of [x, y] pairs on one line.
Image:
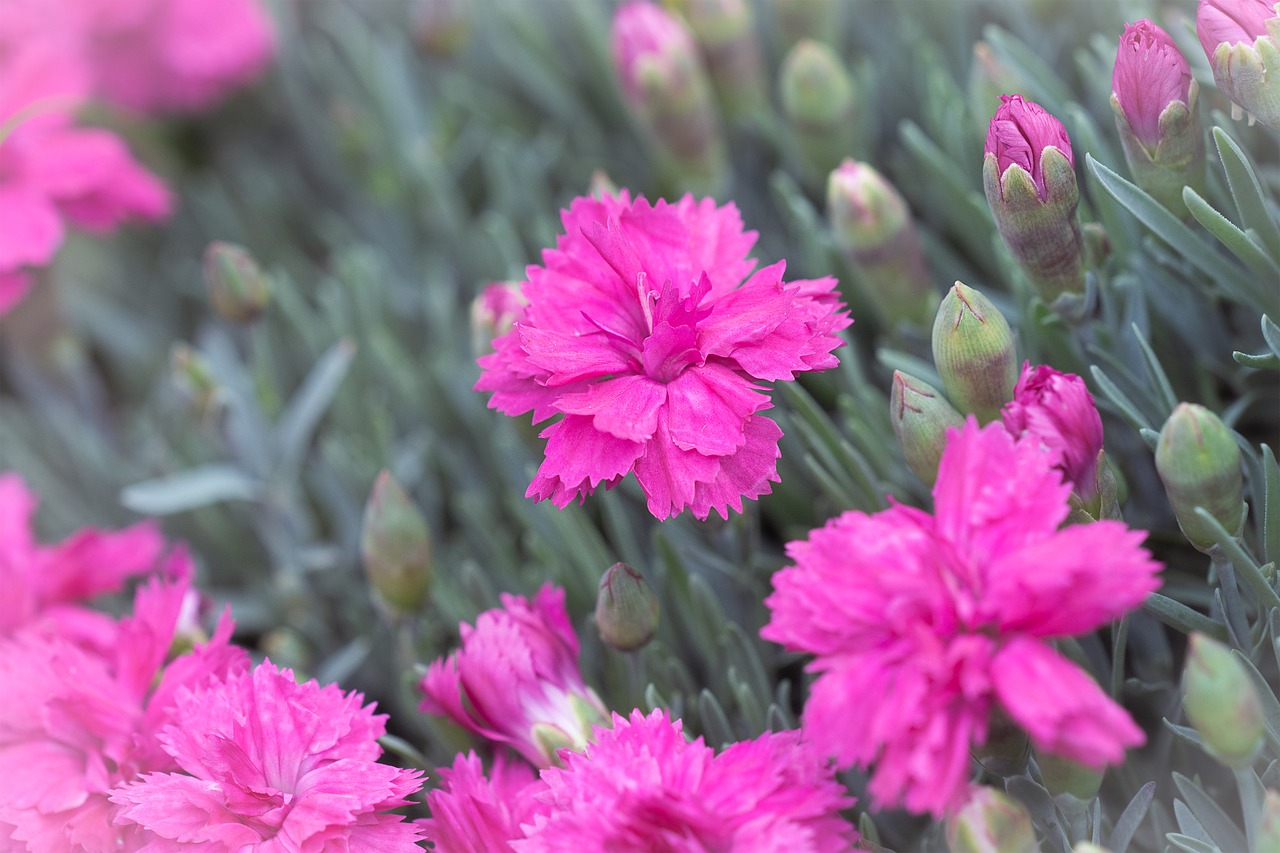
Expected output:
{"points": [[818, 100], [1103, 499], [237, 288], [874, 229], [626, 608], [921, 415], [974, 353], [1198, 461], [1221, 702], [1268, 835], [726, 32], [193, 378], [1064, 776], [991, 823], [395, 547]]}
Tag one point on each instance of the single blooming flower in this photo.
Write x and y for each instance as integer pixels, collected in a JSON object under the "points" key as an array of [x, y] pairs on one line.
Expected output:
{"points": [[516, 679], [1242, 40], [1057, 410], [1029, 177], [1154, 99], [642, 786], [642, 333], [271, 764], [476, 813], [944, 618]]}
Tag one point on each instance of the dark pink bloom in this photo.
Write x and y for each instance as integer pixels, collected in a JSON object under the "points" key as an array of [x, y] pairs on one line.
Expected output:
{"points": [[642, 333], [642, 786], [1019, 133], [474, 812], [75, 724], [44, 585], [943, 618], [1150, 73], [1057, 410], [647, 39], [271, 764], [1232, 22], [516, 679]]}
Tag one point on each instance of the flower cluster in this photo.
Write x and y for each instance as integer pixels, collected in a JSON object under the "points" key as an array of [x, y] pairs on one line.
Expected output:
{"points": [[643, 335]]}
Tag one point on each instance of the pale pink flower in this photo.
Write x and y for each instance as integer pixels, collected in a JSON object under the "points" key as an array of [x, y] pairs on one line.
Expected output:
{"points": [[475, 813], [1019, 133], [75, 724], [642, 786], [273, 765], [516, 679], [1057, 410], [643, 334], [1149, 74], [45, 585], [647, 40], [942, 618]]}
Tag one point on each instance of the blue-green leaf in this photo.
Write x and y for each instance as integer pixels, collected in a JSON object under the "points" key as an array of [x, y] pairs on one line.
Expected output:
{"points": [[190, 489]]}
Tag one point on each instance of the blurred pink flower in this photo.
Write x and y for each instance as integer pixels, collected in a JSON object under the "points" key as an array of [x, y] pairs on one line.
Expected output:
{"points": [[516, 679], [45, 584], [642, 786], [474, 812], [1057, 410], [642, 333], [74, 724], [647, 39], [1149, 74], [1019, 133], [943, 618], [273, 765]]}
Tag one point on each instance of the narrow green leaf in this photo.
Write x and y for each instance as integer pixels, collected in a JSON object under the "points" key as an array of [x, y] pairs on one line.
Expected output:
{"points": [[1271, 334], [405, 750], [1220, 828], [653, 699], [1127, 409], [1045, 82], [715, 723], [972, 218], [1186, 733], [1131, 818], [308, 405], [1267, 696], [1230, 235], [1247, 192], [1156, 371], [1119, 640], [1175, 614], [1189, 844], [190, 489], [1266, 361], [1246, 569], [1270, 506]]}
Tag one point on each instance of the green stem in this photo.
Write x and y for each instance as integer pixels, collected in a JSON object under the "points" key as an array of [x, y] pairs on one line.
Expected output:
{"points": [[1175, 614]]}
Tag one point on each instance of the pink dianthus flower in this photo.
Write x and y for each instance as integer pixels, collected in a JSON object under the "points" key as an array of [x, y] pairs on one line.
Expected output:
{"points": [[273, 765], [474, 812], [944, 617], [516, 679], [1149, 74], [642, 333], [1058, 411], [1018, 135], [642, 786]]}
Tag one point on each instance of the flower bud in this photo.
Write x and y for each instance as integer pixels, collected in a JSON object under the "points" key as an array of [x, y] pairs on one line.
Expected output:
{"points": [[1154, 99], [396, 547], [1028, 174], [1064, 776], [442, 27], [874, 229], [991, 823], [973, 351], [1242, 40], [194, 380], [1198, 461], [626, 608], [818, 100], [494, 313], [667, 90], [1221, 702], [921, 416], [1102, 502], [1268, 835], [237, 288], [1058, 411], [726, 32]]}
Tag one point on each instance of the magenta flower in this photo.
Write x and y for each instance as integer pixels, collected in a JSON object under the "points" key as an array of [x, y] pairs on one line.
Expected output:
{"points": [[1018, 135], [46, 584], [642, 786], [271, 764], [1058, 411], [474, 812], [641, 332], [1241, 38], [943, 618], [516, 679], [1232, 22], [1150, 74], [649, 40]]}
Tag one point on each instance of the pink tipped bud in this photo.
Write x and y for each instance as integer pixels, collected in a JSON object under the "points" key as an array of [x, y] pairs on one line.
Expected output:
{"points": [[1058, 411], [1198, 461], [819, 101], [1221, 702], [1241, 38], [237, 287], [494, 313], [396, 547], [626, 608], [973, 350], [1029, 177], [991, 822]]}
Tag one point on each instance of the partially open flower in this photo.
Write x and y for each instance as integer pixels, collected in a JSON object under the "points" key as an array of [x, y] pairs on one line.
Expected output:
{"points": [[1058, 410], [1242, 40]]}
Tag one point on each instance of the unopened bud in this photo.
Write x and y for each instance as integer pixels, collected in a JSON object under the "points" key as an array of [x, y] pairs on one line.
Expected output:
{"points": [[1242, 40], [991, 823], [395, 546], [1198, 461], [494, 313], [1029, 177], [726, 32], [874, 229], [818, 100], [1268, 834], [626, 608], [921, 416], [1064, 776], [237, 287], [974, 353], [442, 27], [1101, 501], [1221, 702], [193, 378]]}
